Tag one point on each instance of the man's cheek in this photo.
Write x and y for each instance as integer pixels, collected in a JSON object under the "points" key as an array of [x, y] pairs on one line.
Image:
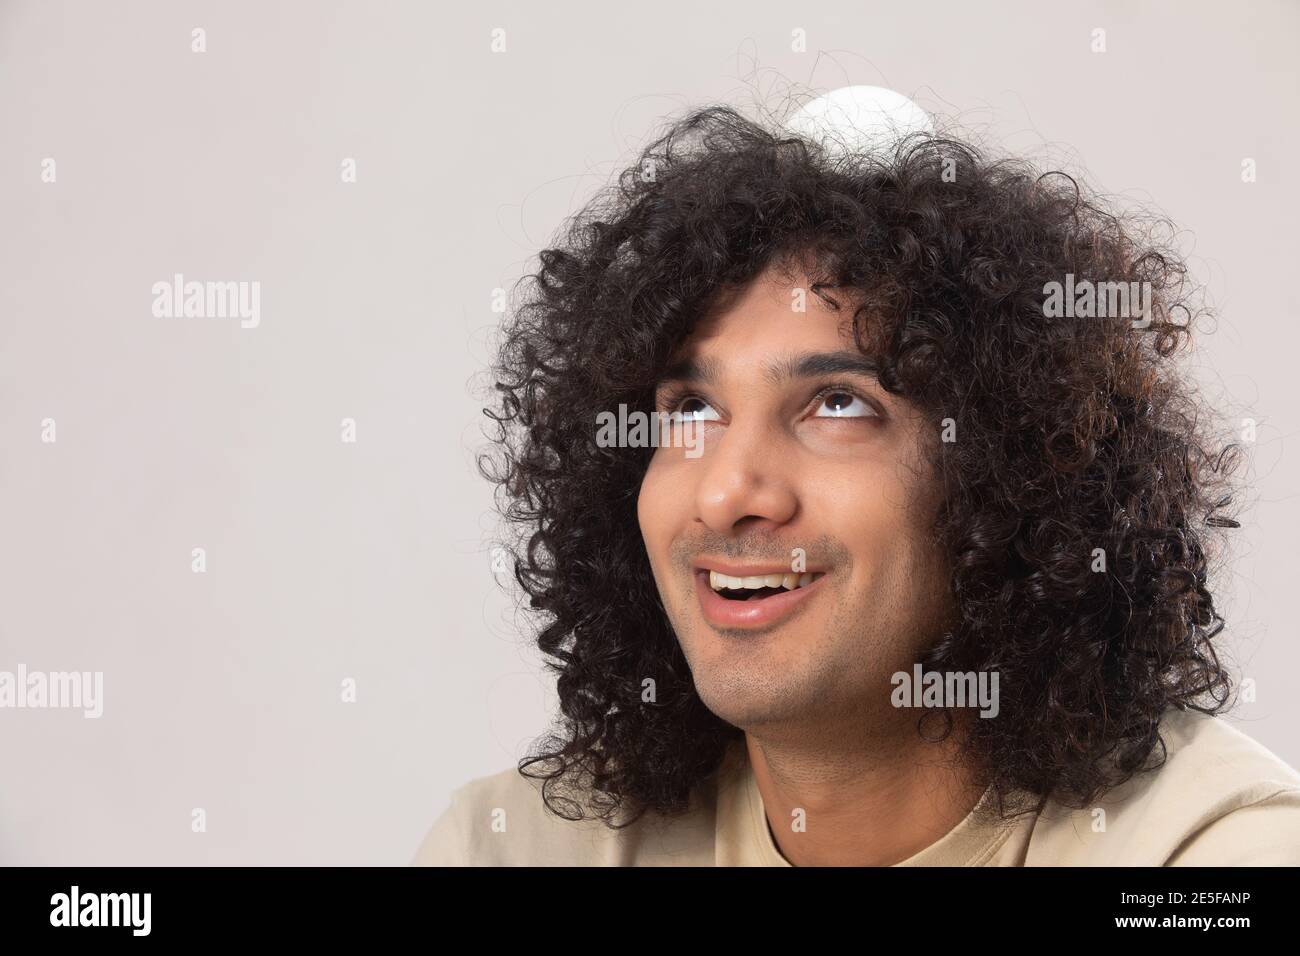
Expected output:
{"points": [[645, 506]]}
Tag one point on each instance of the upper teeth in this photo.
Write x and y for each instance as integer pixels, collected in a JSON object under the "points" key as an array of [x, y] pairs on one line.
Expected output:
{"points": [[755, 581]]}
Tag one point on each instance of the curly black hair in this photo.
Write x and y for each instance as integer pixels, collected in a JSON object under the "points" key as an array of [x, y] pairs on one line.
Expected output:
{"points": [[1074, 434]]}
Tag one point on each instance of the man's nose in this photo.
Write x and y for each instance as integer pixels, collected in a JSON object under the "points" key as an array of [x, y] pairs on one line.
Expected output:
{"points": [[746, 474]]}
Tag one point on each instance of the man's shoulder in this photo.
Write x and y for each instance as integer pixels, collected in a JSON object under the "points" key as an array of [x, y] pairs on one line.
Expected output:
{"points": [[509, 819], [1213, 750], [1219, 798]]}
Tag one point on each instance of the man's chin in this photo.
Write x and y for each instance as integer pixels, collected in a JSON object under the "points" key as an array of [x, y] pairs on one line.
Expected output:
{"points": [[749, 700]]}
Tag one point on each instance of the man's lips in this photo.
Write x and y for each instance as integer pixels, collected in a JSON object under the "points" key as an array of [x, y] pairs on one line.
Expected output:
{"points": [[755, 612]]}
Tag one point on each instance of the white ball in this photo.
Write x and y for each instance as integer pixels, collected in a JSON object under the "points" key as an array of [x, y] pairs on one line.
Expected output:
{"points": [[860, 119]]}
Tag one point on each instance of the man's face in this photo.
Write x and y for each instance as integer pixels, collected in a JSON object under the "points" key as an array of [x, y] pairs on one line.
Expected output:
{"points": [[801, 449]]}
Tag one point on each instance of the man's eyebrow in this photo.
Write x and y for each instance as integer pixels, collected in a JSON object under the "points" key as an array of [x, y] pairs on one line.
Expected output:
{"points": [[813, 364], [707, 371]]}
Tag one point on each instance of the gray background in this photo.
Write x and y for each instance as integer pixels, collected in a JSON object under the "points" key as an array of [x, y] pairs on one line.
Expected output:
{"points": [[370, 561]]}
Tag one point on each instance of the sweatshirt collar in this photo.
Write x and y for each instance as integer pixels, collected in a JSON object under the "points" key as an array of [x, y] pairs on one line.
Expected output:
{"points": [[743, 836]]}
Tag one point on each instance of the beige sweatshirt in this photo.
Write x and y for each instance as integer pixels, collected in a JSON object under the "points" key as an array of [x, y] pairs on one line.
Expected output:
{"points": [[1220, 799]]}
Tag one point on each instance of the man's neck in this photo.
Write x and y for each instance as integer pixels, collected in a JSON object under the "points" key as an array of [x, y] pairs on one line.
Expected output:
{"points": [[873, 803]]}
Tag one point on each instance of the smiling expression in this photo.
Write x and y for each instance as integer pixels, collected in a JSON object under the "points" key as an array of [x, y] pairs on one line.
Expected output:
{"points": [[811, 485]]}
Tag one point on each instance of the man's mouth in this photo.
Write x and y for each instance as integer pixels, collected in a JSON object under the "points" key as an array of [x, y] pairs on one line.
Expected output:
{"points": [[756, 587], [753, 601]]}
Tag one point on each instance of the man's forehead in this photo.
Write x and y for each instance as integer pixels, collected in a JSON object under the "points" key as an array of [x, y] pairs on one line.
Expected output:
{"points": [[775, 328], [775, 293]]}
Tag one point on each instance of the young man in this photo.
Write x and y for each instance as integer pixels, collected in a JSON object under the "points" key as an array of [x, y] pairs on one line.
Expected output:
{"points": [[914, 570]]}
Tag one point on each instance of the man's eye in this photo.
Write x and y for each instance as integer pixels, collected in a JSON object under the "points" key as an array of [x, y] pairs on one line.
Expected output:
{"points": [[843, 405], [684, 412]]}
